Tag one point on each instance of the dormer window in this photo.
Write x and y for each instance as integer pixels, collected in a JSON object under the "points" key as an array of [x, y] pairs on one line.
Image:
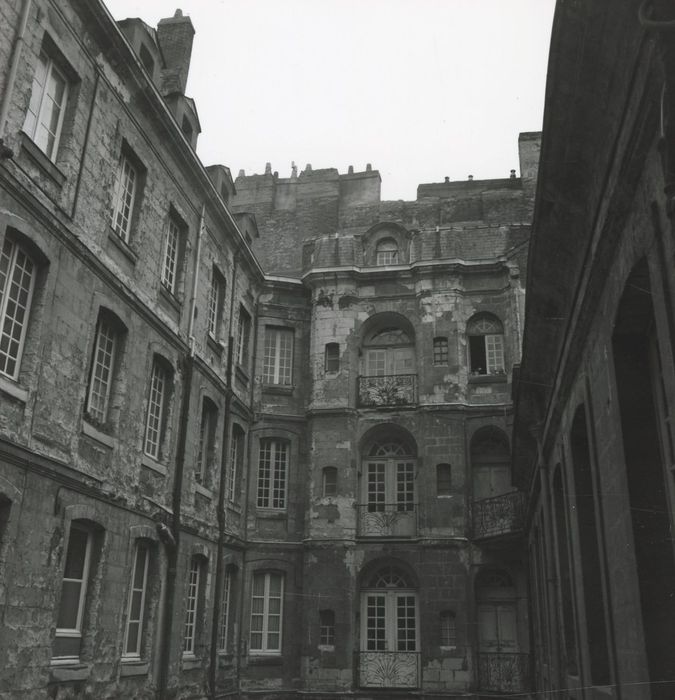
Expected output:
{"points": [[386, 252]]}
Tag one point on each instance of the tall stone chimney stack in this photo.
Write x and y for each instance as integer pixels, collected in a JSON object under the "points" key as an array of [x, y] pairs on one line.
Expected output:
{"points": [[175, 35]]}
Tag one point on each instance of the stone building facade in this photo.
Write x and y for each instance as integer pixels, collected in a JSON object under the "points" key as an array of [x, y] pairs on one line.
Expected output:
{"points": [[254, 434], [594, 401]]}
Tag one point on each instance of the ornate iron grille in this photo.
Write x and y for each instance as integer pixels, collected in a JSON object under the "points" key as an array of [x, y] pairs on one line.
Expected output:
{"points": [[388, 520], [388, 390], [504, 672], [499, 515], [389, 669]]}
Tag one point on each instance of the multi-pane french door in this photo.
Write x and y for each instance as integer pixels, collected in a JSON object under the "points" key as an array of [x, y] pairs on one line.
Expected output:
{"points": [[390, 498], [389, 639]]}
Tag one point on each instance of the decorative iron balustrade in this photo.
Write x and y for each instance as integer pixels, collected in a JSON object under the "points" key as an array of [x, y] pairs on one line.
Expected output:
{"points": [[389, 669], [499, 515], [387, 520], [388, 390], [504, 672]]}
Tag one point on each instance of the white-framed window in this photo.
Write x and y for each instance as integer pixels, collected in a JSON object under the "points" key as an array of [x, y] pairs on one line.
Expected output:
{"points": [[224, 627], [133, 634], [47, 106], [278, 357], [243, 333], [160, 381], [17, 282], [272, 473], [171, 252], [106, 346], [216, 298], [207, 431], [329, 481], [236, 462], [194, 583], [327, 628], [267, 598], [486, 345], [448, 629], [386, 252], [74, 587], [124, 196]]}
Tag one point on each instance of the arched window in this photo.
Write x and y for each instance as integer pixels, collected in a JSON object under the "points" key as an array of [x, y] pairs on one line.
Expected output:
{"points": [[490, 463], [386, 252], [389, 630], [389, 351], [486, 345]]}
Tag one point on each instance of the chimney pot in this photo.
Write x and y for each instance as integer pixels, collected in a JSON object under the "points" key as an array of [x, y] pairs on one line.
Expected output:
{"points": [[470, 177], [268, 168], [513, 174], [369, 167], [242, 173], [350, 170], [447, 179]]}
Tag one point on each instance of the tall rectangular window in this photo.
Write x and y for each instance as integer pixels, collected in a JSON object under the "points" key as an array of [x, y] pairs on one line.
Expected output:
{"points": [[332, 358], [133, 636], [207, 428], [216, 298], [44, 118], [154, 422], [440, 351], [192, 607], [101, 374], [171, 251], [448, 629], [223, 630], [68, 638], [124, 195], [327, 628], [266, 613], [17, 281], [443, 480], [236, 462], [243, 333], [278, 358], [272, 473]]}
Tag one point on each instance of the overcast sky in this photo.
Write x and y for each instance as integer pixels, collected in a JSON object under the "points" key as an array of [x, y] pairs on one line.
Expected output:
{"points": [[419, 88]]}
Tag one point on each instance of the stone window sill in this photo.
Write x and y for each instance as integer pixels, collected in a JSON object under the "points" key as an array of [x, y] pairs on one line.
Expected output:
{"points": [[262, 660], [488, 379], [202, 490], [190, 662], [67, 671], [150, 463], [169, 297], [42, 160], [101, 437], [134, 667], [286, 389], [13, 389], [216, 345], [123, 246], [271, 514]]}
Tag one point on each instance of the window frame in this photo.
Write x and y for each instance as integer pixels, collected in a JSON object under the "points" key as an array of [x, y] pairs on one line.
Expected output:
{"points": [[96, 415], [215, 304], [277, 479], [443, 477], [278, 355], [160, 407], [243, 335], [265, 649], [389, 255], [51, 66], [441, 350], [207, 435], [332, 358], [225, 602], [196, 574], [11, 251], [172, 252], [327, 472], [84, 581], [447, 629], [237, 451], [141, 620], [479, 327], [327, 628]]}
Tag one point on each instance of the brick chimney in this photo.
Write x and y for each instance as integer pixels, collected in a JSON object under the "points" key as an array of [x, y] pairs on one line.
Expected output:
{"points": [[174, 35]]}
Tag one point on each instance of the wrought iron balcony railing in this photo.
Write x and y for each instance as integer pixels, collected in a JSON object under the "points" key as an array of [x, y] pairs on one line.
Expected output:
{"points": [[499, 515], [387, 520], [389, 669], [388, 390], [504, 672]]}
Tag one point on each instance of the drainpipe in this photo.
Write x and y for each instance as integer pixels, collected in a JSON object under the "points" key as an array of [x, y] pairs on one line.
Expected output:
{"points": [[6, 152], [172, 550], [222, 516]]}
